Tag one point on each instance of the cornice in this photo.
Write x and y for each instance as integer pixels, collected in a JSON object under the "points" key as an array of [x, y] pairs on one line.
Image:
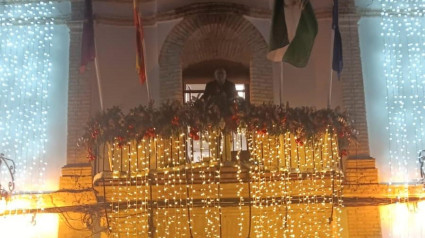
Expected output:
{"points": [[376, 12], [197, 9], [181, 12]]}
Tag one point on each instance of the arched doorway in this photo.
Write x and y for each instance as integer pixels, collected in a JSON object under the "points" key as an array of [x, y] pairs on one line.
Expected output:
{"points": [[196, 76], [203, 41]]}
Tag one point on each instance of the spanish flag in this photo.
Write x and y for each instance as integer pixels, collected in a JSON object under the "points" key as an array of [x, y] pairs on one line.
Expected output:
{"points": [[140, 42], [293, 31]]}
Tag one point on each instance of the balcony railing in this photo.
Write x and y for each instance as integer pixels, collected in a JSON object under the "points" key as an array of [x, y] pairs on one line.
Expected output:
{"points": [[217, 132], [271, 153], [188, 170]]}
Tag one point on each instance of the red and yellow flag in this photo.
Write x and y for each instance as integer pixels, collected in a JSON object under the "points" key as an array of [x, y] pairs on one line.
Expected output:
{"points": [[140, 59]]}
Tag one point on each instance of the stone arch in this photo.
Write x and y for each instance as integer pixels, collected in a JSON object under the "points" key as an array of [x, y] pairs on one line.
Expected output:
{"points": [[204, 37], [215, 41]]}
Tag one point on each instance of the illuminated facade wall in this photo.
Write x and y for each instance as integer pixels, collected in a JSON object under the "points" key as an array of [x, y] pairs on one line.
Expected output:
{"points": [[33, 64], [26, 39], [33, 59], [403, 34], [392, 54]]}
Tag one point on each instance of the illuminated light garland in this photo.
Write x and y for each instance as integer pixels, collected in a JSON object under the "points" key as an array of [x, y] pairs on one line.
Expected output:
{"points": [[26, 36], [286, 178], [286, 174], [403, 34]]}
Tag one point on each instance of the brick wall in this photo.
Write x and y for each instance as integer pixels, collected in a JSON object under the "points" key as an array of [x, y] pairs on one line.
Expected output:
{"points": [[352, 77], [361, 171], [182, 43], [214, 41], [76, 177], [363, 222], [79, 88]]}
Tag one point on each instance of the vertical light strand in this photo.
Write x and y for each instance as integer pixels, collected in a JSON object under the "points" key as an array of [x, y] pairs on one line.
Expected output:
{"points": [[240, 183]]}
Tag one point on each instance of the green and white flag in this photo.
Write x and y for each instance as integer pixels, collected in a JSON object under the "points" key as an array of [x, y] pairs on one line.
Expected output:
{"points": [[294, 28]]}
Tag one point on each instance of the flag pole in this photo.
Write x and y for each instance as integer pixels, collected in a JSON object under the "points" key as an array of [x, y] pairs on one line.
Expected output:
{"points": [[331, 73], [96, 66], [146, 75], [331, 70], [281, 83], [99, 87]]}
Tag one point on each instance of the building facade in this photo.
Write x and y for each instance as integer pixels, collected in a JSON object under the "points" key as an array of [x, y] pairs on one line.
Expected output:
{"points": [[185, 41]]}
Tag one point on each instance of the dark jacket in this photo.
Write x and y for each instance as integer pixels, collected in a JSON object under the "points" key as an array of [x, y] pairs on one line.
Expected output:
{"points": [[227, 89]]}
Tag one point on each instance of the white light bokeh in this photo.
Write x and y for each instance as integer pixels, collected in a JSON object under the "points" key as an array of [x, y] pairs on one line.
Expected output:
{"points": [[403, 220]]}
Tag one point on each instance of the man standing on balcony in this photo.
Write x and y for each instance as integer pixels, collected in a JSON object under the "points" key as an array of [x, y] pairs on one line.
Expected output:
{"points": [[222, 93], [220, 87]]}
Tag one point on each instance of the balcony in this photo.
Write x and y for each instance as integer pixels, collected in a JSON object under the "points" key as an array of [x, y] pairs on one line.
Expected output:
{"points": [[198, 168]]}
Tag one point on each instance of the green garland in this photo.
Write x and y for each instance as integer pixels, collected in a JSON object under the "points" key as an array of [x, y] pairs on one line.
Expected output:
{"points": [[173, 118]]}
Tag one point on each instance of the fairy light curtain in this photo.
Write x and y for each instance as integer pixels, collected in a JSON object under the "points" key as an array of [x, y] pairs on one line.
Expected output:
{"points": [[25, 66], [288, 190], [403, 34], [288, 185]]}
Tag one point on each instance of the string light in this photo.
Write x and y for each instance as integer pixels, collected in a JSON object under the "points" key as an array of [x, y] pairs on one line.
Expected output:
{"points": [[26, 35], [289, 188], [402, 30]]}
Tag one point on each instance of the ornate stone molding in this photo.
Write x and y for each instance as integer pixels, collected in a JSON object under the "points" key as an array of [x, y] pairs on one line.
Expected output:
{"points": [[196, 9]]}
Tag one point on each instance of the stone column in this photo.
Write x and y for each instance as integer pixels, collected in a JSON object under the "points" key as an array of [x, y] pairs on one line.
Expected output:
{"points": [[79, 88], [354, 97], [77, 174], [352, 77], [75, 182]]}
